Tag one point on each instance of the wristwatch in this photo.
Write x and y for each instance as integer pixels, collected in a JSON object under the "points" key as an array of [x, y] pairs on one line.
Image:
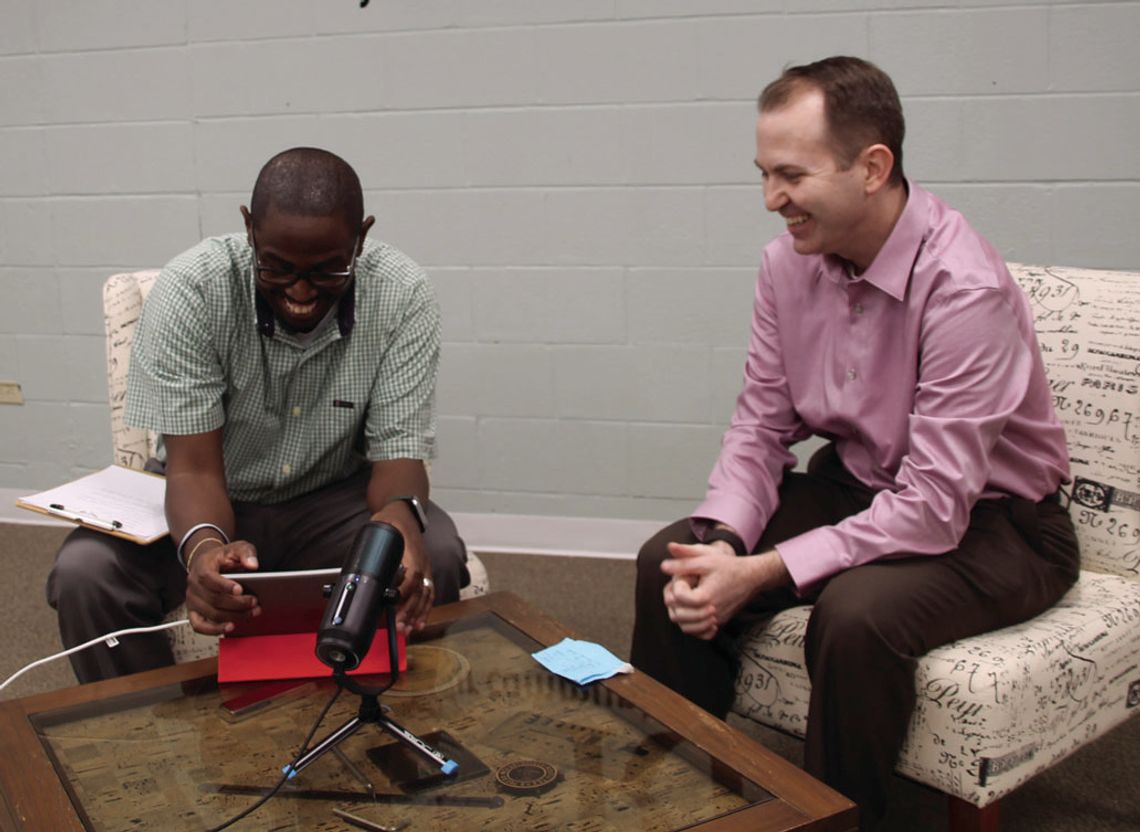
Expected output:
{"points": [[731, 538], [417, 509]]}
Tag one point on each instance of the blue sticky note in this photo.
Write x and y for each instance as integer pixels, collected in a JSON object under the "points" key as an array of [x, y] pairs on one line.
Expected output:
{"points": [[581, 661]]}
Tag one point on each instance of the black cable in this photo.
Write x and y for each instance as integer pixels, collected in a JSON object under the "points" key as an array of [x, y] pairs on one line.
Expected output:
{"points": [[285, 776]]}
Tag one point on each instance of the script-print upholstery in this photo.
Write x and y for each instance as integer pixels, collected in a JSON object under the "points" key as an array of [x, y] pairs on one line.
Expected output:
{"points": [[997, 709], [123, 296]]}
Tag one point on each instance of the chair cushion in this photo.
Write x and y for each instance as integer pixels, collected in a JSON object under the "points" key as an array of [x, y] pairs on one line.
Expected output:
{"points": [[480, 582], [992, 710], [187, 645]]}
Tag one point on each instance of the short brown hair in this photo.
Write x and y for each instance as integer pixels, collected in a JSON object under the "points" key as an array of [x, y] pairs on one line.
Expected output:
{"points": [[860, 104]]}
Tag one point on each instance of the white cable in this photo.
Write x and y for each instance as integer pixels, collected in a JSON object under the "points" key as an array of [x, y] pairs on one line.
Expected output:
{"points": [[109, 639]]}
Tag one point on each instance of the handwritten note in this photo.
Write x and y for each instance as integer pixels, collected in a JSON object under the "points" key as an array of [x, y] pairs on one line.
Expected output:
{"points": [[581, 661], [117, 500]]}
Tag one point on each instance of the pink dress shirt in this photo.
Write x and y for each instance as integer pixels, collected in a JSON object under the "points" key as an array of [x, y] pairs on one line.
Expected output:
{"points": [[924, 370]]}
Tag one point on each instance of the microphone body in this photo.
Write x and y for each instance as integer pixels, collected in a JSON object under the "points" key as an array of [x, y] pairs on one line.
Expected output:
{"points": [[364, 588]]}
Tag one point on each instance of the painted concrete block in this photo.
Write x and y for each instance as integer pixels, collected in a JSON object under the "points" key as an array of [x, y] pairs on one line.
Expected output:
{"points": [[120, 158], [23, 91], [109, 231], [27, 232], [549, 305], [672, 460], [31, 301], [117, 85], [967, 52], [107, 24], [25, 172], [1093, 47]]}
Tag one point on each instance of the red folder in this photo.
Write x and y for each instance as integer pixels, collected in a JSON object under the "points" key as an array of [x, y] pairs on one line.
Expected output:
{"points": [[293, 656]]}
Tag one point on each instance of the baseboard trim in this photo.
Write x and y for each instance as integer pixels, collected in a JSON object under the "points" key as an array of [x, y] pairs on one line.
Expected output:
{"points": [[590, 537]]}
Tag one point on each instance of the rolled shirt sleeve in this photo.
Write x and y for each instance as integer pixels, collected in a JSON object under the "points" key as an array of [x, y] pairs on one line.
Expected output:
{"points": [[401, 411], [176, 382]]}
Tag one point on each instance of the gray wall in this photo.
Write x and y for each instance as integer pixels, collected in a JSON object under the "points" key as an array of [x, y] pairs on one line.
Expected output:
{"points": [[577, 177]]}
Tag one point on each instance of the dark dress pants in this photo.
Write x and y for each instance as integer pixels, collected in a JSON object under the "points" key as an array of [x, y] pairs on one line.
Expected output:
{"points": [[101, 584], [869, 624]]}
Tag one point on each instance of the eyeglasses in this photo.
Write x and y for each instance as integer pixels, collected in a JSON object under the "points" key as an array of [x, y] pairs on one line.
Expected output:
{"points": [[280, 278]]}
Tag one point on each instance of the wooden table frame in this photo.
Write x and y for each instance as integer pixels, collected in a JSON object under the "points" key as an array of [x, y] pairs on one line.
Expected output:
{"points": [[33, 798]]}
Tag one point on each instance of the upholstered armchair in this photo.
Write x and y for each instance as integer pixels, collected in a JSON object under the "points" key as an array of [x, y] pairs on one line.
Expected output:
{"points": [[997, 709]]}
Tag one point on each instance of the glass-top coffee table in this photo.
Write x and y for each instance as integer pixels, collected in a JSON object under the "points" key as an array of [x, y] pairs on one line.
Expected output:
{"points": [[159, 751]]}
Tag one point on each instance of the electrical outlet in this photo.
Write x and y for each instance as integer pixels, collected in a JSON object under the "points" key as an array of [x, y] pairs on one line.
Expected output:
{"points": [[10, 393]]}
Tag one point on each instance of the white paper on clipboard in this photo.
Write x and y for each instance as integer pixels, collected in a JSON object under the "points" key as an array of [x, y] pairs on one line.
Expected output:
{"points": [[119, 501]]}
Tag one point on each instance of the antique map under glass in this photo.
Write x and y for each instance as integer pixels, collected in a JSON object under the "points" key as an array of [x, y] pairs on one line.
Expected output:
{"points": [[536, 752]]}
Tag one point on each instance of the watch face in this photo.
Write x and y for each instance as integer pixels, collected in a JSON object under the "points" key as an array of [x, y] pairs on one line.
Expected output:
{"points": [[728, 537], [417, 509]]}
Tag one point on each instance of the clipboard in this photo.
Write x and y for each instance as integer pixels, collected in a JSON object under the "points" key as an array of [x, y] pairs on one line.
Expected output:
{"points": [[117, 501]]}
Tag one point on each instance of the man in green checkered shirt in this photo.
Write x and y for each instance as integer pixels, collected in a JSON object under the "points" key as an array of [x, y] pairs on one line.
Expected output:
{"points": [[291, 372]]}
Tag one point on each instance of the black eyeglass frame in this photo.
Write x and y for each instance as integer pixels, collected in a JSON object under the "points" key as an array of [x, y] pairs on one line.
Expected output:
{"points": [[284, 278]]}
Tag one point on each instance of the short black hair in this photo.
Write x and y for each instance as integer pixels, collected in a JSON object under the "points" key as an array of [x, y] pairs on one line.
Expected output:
{"points": [[860, 102], [308, 182]]}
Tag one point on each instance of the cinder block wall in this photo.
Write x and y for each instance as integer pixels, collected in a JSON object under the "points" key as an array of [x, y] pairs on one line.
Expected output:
{"points": [[577, 176]]}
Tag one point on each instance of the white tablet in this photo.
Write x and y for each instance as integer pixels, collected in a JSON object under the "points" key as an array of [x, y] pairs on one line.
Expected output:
{"points": [[291, 602]]}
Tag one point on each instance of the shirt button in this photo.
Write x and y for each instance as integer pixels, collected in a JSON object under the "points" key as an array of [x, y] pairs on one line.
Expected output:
{"points": [[850, 375], [857, 309], [296, 410], [286, 468]]}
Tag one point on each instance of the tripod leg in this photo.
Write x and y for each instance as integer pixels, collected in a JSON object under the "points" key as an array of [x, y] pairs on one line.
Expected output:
{"points": [[416, 744], [347, 730]]}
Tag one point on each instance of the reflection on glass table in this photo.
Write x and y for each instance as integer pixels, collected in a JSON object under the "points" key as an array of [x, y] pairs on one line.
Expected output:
{"points": [[535, 752]]}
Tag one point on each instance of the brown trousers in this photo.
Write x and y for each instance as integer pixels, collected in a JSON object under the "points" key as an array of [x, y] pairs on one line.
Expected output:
{"points": [[869, 624], [101, 584]]}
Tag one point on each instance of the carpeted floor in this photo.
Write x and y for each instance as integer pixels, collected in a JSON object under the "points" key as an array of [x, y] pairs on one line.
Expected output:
{"points": [[1095, 790], [28, 624]]}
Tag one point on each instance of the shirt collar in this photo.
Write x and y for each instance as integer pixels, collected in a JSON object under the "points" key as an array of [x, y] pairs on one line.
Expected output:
{"points": [[890, 271]]}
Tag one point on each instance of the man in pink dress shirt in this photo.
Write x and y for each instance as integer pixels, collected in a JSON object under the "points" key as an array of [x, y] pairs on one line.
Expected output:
{"points": [[884, 323]]}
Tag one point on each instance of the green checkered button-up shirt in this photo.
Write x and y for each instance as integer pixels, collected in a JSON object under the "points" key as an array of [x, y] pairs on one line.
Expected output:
{"points": [[295, 415]]}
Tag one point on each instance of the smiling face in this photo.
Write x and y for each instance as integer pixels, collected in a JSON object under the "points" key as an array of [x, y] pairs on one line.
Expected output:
{"points": [[292, 242], [823, 202]]}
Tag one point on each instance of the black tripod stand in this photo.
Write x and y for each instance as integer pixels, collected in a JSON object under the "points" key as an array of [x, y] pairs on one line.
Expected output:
{"points": [[372, 712]]}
